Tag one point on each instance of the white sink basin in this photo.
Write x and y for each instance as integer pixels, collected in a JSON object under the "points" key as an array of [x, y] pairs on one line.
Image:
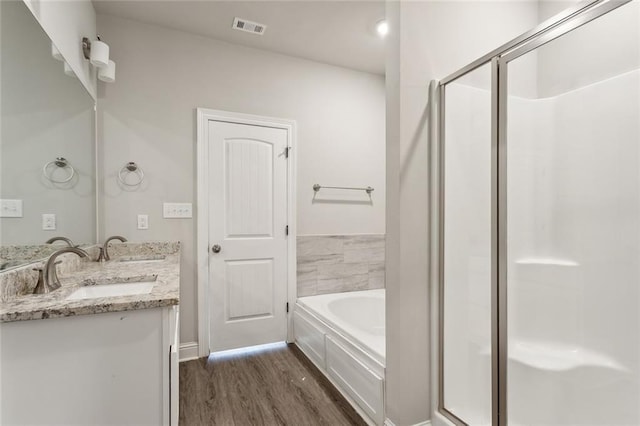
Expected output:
{"points": [[114, 287], [140, 259]]}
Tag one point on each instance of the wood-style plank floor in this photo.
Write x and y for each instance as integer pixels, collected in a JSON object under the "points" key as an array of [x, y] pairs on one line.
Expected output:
{"points": [[278, 386]]}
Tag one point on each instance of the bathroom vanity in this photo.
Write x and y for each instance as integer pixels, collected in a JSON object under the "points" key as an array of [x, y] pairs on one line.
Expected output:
{"points": [[103, 348], [92, 352]]}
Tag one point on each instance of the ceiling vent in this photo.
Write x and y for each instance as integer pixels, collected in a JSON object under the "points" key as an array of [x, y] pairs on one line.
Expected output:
{"points": [[248, 26]]}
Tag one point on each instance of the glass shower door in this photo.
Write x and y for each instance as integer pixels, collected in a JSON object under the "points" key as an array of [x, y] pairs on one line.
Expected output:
{"points": [[572, 246], [466, 245]]}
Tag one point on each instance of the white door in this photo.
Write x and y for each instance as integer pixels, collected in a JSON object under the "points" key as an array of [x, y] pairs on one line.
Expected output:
{"points": [[247, 238]]}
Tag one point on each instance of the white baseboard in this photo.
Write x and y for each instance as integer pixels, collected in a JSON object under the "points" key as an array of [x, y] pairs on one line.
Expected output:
{"points": [[188, 351], [388, 422]]}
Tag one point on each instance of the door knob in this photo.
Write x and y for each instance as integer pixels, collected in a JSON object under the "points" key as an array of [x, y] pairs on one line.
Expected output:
{"points": [[216, 248]]}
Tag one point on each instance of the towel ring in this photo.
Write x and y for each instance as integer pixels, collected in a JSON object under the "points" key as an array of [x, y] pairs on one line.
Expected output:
{"points": [[131, 167], [60, 162]]}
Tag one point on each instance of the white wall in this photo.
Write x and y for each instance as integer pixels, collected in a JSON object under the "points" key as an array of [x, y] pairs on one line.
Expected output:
{"points": [[435, 39], [148, 116], [66, 22], [598, 59]]}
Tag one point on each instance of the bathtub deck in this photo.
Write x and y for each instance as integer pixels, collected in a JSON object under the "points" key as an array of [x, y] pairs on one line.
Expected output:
{"points": [[276, 387]]}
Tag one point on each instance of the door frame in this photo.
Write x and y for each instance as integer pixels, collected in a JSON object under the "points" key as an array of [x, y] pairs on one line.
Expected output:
{"points": [[205, 115]]}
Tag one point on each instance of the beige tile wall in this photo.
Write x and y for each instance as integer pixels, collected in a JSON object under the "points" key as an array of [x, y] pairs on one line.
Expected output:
{"points": [[339, 263]]}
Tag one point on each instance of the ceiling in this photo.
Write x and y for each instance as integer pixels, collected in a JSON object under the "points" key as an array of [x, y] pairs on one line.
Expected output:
{"points": [[335, 32]]}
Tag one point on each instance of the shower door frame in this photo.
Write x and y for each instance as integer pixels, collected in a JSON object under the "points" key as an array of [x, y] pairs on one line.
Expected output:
{"points": [[555, 27]]}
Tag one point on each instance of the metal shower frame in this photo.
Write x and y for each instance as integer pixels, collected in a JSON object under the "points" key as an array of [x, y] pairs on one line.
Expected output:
{"points": [[563, 23]]}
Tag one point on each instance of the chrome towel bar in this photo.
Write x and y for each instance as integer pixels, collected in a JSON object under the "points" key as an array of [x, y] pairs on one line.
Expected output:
{"points": [[368, 189]]}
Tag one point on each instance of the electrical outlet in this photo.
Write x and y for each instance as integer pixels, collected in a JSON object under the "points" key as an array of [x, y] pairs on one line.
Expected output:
{"points": [[10, 208], [143, 221], [48, 222], [177, 210]]}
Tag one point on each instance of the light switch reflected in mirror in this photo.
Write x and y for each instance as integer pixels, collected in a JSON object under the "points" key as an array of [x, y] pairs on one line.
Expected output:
{"points": [[46, 114]]}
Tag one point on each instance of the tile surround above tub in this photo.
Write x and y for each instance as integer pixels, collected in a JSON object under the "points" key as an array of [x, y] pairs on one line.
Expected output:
{"points": [[339, 263]]}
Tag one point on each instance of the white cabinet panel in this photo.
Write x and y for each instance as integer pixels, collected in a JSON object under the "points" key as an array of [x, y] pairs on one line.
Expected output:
{"points": [[174, 368], [310, 339], [356, 379], [91, 369]]}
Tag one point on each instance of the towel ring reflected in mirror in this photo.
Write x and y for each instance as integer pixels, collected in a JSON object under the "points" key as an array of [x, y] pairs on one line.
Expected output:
{"points": [[131, 167], [59, 163]]}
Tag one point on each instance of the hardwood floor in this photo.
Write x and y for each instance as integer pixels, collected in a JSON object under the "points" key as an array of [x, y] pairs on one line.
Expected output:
{"points": [[278, 386]]}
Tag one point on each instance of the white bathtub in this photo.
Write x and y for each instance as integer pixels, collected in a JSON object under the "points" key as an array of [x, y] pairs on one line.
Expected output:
{"points": [[359, 315], [344, 335]]}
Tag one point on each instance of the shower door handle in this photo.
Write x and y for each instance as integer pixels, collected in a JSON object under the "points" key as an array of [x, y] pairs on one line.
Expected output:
{"points": [[216, 248]]}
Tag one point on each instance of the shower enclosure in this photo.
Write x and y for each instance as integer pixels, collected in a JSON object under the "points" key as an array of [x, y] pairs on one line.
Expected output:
{"points": [[538, 231]]}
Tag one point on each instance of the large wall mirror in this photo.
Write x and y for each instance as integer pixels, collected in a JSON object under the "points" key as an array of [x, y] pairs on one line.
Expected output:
{"points": [[47, 144]]}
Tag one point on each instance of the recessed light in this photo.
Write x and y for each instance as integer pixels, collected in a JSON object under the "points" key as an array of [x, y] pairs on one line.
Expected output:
{"points": [[382, 28]]}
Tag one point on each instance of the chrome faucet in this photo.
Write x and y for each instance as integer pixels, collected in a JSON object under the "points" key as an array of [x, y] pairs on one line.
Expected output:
{"points": [[105, 247], [65, 239], [50, 280]]}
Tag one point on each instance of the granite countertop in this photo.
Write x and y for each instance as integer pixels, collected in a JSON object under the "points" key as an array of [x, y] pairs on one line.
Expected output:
{"points": [[165, 291]]}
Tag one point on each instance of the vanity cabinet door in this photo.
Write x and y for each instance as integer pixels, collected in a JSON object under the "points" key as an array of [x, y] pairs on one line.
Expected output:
{"points": [[109, 368]]}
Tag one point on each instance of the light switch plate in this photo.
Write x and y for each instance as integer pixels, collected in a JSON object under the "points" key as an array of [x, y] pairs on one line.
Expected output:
{"points": [[10, 208], [177, 210], [143, 221], [48, 222]]}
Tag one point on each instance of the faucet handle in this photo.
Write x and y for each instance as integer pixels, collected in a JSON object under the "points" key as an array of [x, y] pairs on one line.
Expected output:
{"points": [[40, 287], [101, 256]]}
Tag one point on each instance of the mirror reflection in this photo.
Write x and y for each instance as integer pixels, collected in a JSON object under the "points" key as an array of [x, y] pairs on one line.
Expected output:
{"points": [[47, 144]]}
